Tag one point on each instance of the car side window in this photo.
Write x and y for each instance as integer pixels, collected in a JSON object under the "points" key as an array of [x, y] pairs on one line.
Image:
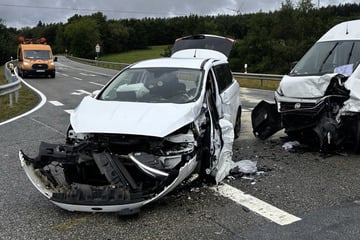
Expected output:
{"points": [[223, 76]]}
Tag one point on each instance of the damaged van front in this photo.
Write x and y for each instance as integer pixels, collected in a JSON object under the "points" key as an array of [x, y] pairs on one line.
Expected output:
{"points": [[318, 102]]}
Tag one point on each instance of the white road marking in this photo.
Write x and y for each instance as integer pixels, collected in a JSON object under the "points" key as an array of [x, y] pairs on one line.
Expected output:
{"points": [[80, 92], [56, 103], [98, 84], [80, 79], [64, 74], [88, 74], [42, 102], [84, 92], [256, 205], [69, 111]]}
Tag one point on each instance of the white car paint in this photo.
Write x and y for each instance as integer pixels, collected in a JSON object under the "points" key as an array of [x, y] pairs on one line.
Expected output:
{"points": [[148, 119]]}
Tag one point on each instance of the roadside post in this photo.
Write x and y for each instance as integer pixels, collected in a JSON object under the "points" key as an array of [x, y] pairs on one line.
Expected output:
{"points": [[97, 50]]}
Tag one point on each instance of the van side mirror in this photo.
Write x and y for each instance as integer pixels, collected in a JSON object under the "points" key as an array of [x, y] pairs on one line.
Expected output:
{"points": [[55, 59]]}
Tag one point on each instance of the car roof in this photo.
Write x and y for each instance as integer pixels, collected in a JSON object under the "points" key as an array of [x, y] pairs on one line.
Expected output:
{"points": [[193, 63]]}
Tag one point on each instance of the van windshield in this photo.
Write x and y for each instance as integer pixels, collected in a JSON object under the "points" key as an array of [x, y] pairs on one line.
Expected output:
{"points": [[37, 54], [329, 57]]}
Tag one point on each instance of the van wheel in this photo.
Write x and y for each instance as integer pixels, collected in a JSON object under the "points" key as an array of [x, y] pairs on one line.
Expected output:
{"points": [[52, 75]]}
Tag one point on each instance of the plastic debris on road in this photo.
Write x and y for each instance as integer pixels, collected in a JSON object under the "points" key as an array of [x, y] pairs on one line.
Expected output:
{"points": [[290, 145]]}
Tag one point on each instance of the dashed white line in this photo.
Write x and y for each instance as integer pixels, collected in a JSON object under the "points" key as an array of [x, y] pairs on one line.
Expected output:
{"points": [[80, 79], [98, 84], [256, 205], [80, 92], [88, 74], [84, 92], [56, 103], [64, 74]]}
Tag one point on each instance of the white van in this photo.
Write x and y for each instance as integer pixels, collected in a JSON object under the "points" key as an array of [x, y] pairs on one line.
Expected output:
{"points": [[318, 102]]}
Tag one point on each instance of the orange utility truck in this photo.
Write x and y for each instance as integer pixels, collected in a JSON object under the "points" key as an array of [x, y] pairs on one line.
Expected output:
{"points": [[35, 57]]}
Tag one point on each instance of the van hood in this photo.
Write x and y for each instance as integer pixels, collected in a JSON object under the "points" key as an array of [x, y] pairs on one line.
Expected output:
{"points": [[148, 119], [305, 86]]}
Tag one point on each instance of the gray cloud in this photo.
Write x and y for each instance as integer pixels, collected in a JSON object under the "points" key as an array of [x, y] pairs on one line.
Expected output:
{"points": [[20, 13]]}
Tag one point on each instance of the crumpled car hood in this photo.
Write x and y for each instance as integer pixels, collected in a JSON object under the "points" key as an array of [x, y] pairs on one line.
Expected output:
{"points": [[150, 119], [305, 86]]}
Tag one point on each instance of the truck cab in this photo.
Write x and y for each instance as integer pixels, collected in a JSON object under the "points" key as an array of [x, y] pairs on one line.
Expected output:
{"points": [[35, 58]]}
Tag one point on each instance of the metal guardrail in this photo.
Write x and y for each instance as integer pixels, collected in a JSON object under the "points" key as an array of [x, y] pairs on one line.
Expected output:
{"points": [[102, 63], [258, 77], [13, 85]]}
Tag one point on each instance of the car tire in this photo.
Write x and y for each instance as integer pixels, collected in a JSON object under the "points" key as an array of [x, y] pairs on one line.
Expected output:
{"points": [[237, 127]]}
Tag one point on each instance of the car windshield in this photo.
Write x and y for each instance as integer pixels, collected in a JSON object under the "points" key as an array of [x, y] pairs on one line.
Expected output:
{"points": [[155, 85], [329, 57], [37, 54]]}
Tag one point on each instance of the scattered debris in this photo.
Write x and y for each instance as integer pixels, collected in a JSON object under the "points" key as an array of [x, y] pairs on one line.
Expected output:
{"points": [[290, 145], [245, 166]]}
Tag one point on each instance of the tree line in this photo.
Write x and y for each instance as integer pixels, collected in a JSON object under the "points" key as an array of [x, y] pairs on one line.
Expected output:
{"points": [[268, 42]]}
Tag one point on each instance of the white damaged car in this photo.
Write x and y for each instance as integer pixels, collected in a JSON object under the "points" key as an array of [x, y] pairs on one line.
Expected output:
{"points": [[152, 126], [318, 103]]}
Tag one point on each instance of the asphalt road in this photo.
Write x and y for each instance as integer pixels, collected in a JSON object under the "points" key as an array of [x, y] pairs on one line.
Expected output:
{"points": [[322, 191]]}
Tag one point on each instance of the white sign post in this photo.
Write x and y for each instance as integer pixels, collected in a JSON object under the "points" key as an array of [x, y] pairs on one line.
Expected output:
{"points": [[97, 50]]}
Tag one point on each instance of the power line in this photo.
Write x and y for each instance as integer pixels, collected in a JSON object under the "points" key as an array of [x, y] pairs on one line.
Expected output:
{"points": [[86, 9]]}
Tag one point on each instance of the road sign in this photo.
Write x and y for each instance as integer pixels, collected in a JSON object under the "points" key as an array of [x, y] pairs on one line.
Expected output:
{"points": [[97, 48]]}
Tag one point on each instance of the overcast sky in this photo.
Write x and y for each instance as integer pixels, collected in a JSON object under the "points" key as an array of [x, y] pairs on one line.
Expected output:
{"points": [[20, 13]]}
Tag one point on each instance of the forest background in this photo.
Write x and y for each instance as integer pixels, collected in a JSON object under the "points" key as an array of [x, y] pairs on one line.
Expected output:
{"points": [[268, 42]]}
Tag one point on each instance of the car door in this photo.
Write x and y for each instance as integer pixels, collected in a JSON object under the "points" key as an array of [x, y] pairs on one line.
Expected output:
{"points": [[229, 89]]}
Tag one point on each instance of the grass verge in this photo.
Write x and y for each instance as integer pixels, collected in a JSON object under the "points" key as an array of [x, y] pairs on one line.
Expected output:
{"points": [[26, 101], [135, 55]]}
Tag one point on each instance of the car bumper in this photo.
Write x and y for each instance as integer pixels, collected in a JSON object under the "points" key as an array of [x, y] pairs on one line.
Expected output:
{"points": [[184, 172]]}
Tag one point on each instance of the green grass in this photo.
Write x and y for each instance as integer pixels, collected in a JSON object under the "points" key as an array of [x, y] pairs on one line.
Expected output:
{"points": [[26, 101], [135, 55], [2, 76]]}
